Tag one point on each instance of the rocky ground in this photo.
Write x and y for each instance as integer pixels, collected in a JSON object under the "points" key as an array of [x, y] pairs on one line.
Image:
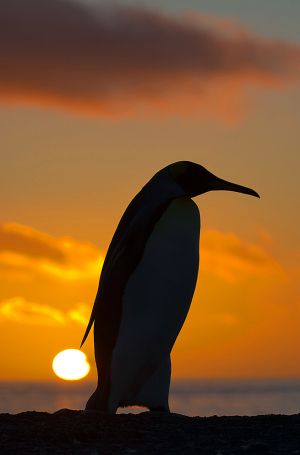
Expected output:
{"points": [[75, 432]]}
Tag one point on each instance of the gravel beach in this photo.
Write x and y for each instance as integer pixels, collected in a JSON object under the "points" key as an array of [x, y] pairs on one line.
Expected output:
{"points": [[67, 432]]}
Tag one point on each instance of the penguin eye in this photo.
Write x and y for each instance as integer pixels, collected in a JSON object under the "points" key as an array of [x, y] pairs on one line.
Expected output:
{"points": [[178, 169]]}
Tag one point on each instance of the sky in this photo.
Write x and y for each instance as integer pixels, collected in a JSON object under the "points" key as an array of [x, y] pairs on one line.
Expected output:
{"points": [[94, 99]]}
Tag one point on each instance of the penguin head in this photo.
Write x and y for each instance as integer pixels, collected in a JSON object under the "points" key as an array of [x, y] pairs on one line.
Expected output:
{"points": [[194, 179]]}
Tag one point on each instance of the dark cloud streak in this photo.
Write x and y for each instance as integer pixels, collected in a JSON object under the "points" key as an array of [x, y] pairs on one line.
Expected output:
{"points": [[24, 242], [108, 59]]}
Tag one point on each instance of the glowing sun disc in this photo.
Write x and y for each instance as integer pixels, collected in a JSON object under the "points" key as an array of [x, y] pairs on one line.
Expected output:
{"points": [[71, 365]]}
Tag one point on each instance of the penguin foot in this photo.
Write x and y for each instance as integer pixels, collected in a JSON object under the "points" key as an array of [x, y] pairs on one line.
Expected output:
{"points": [[95, 403]]}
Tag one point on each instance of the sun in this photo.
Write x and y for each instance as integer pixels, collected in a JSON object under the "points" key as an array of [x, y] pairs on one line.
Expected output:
{"points": [[71, 365]]}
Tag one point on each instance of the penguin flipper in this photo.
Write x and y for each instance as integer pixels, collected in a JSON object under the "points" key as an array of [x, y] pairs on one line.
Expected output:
{"points": [[115, 249], [110, 259], [108, 263], [89, 326]]}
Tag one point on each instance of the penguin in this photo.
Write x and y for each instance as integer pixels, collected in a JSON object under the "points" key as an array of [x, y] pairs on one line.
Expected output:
{"points": [[146, 287]]}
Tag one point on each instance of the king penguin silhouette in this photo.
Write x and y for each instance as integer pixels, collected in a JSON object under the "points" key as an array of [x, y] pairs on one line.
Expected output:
{"points": [[146, 288]]}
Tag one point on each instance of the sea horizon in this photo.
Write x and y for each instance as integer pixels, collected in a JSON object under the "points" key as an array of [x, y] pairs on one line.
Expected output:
{"points": [[192, 397]]}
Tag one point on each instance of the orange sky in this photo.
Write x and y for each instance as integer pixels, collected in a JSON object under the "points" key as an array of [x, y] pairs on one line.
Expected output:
{"points": [[72, 160], [243, 321]]}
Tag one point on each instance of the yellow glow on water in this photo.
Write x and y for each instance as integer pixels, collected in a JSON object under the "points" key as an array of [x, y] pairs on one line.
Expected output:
{"points": [[71, 365]]}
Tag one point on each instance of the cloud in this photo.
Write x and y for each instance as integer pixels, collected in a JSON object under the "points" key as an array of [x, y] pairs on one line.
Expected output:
{"points": [[231, 258], [225, 258], [18, 309], [27, 251], [117, 61], [21, 310], [25, 240], [80, 313]]}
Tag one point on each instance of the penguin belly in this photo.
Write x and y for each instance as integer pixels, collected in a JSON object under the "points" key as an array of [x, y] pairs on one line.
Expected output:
{"points": [[155, 304]]}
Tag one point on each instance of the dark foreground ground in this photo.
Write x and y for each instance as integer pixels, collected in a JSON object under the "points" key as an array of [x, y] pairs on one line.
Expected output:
{"points": [[74, 432]]}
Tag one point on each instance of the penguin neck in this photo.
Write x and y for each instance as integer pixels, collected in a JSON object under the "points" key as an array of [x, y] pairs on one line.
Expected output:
{"points": [[161, 189]]}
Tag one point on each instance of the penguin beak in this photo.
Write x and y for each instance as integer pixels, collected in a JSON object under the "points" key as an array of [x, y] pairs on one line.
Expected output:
{"points": [[220, 184]]}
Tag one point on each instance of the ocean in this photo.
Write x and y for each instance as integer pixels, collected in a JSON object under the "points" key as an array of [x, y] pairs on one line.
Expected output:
{"points": [[189, 397]]}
